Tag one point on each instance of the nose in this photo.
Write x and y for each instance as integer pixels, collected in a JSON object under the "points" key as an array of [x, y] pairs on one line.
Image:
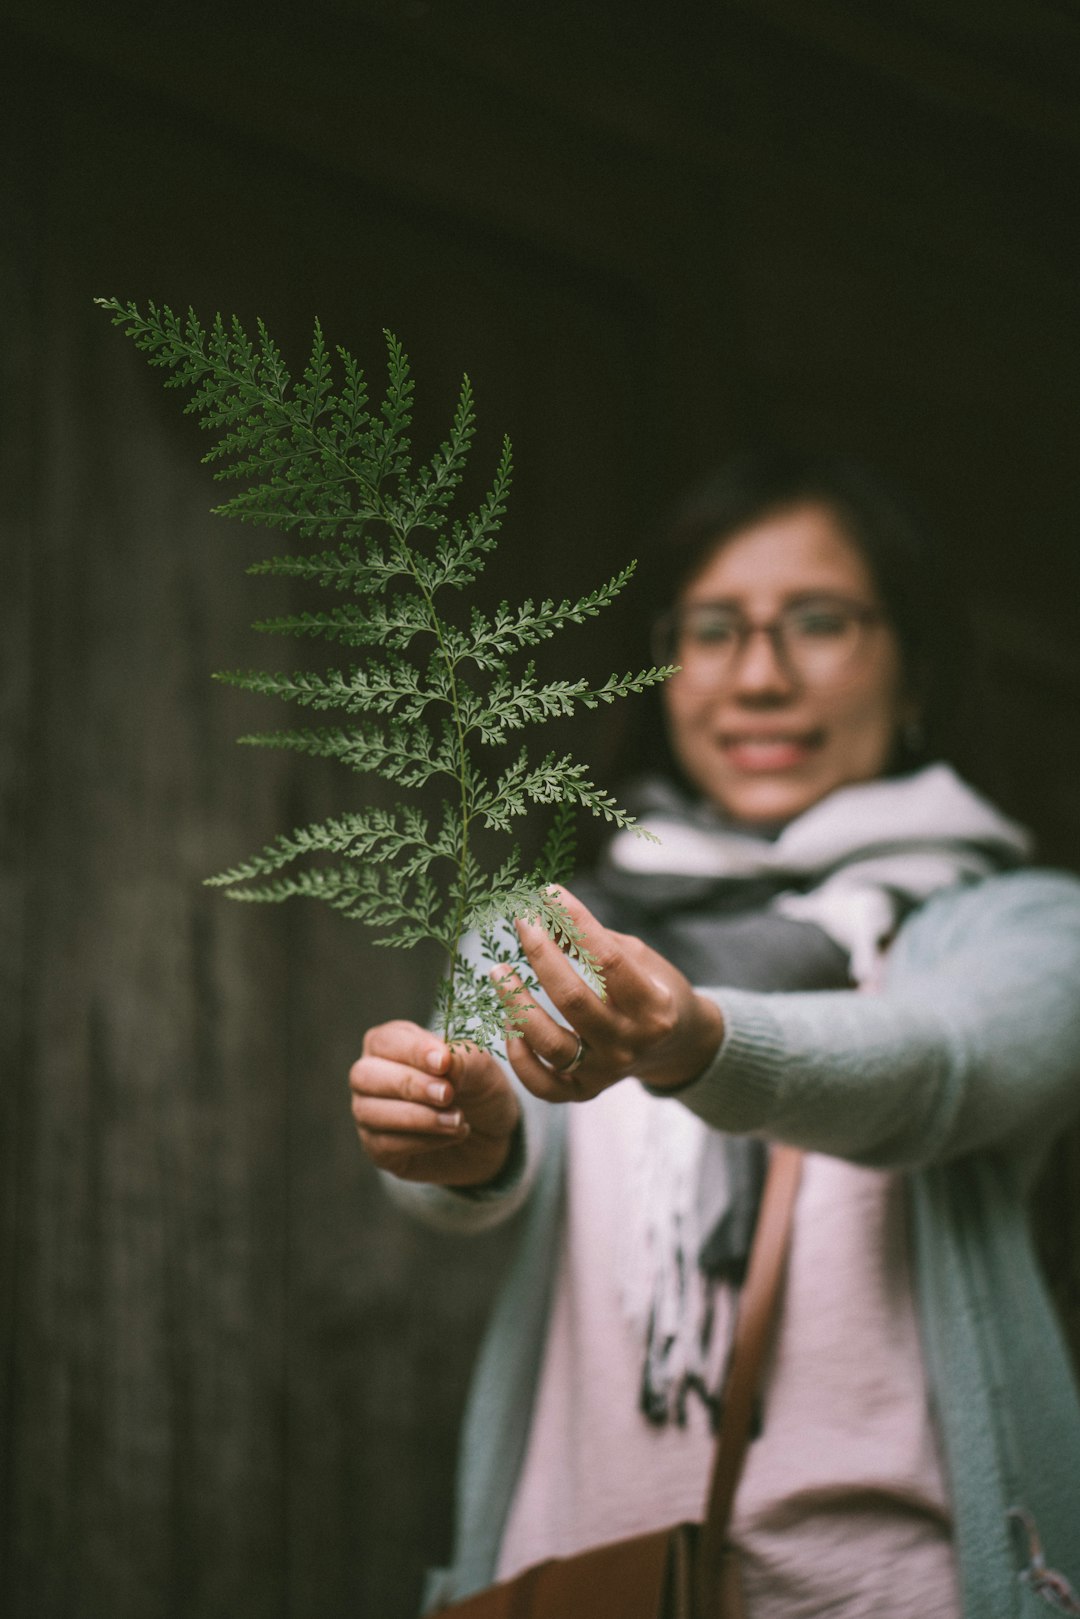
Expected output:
{"points": [[760, 670]]}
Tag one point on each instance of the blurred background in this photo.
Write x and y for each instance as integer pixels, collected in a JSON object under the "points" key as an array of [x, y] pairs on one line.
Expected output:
{"points": [[230, 1375]]}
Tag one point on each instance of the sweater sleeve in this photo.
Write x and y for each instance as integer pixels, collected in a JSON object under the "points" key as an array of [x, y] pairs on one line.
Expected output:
{"points": [[479, 1208], [972, 1046]]}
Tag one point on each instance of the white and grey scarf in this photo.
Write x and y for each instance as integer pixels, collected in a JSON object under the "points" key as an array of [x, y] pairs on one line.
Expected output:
{"points": [[813, 907]]}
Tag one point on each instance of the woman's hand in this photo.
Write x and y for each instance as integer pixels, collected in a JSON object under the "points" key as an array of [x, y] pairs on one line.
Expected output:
{"points": [[652, 1023], [427, 1112]]}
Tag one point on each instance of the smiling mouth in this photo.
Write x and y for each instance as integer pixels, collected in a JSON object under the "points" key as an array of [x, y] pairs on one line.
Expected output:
{"points": [[772, 751]]}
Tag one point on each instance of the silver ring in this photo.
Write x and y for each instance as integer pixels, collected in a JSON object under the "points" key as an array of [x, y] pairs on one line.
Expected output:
{"points": [[576, 1060]]}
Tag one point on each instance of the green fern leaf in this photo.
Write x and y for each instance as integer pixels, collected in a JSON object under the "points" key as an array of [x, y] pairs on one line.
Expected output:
{"points": [[310, 456]]}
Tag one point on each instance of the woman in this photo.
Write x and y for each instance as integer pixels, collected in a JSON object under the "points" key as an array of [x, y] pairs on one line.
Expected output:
{"points": [[918, 1390]]}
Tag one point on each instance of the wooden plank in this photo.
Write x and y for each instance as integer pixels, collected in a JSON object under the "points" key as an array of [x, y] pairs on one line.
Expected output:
{"points": [[18, 487], [214, 1414]]}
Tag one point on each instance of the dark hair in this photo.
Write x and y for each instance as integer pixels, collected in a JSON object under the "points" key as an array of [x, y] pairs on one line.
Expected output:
{"points": [[905, 559]]}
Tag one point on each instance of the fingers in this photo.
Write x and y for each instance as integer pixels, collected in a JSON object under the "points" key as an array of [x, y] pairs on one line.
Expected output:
{"points": [[532, 1025], [392, 1099], [409, 1062], [382, 1076], [399, 1087], [413, 1097], [377, 1078], [549, 1083], [544, 1055], [378, 1117], [649, 1023], [626, 982], [404, 1042]]}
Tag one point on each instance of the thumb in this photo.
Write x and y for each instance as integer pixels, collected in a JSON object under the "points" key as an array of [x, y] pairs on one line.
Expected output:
{"points": [[484, 1090], [473, 1072]]}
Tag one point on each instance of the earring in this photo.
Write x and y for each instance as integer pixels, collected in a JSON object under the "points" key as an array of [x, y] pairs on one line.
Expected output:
{"points": [[913, 735]]}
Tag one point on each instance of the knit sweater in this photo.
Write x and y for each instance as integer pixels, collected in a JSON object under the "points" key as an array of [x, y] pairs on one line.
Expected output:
{"points": [[960, 1072]]}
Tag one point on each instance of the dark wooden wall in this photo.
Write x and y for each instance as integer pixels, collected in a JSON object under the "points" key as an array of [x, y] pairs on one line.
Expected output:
{"points": [[230, 1377]]}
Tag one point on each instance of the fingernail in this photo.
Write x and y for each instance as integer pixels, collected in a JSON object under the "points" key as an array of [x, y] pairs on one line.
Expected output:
{"points": [[450, 1121], [438, 1092], [436, 1059]]}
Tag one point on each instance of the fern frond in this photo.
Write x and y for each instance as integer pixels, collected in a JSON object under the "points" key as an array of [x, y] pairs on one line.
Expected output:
{"points": [[381, 688], [344, 568], [314, 390], [336, 886], [552, 915], [409, 755], [389, 444], [312, 457], [350, 418], [374, 834], [396, 624], [511, 704], [493, 639], [536, 903], [556, 862], [436, 484], [460, 555], [552, 781], [625, 685]]}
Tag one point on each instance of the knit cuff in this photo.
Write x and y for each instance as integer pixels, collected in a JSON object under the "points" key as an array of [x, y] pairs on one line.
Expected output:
{"points": [[508, 1177]]}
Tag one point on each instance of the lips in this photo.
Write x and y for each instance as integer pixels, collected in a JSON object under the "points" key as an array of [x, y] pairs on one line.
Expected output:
{"points": [[760, 752]]}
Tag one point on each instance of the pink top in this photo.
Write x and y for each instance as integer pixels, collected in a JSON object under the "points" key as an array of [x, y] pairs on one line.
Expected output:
{"points": [[842, 1510]]}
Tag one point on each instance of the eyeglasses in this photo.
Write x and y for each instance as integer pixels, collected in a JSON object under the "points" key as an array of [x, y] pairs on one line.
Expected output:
{"points": [[817, 640]]}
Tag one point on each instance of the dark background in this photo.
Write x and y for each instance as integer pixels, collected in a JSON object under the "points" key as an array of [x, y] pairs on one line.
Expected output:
{"points": [[230, 1376]]}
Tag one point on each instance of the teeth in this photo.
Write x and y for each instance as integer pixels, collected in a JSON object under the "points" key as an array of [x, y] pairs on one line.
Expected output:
{"points": [[767, 752]]}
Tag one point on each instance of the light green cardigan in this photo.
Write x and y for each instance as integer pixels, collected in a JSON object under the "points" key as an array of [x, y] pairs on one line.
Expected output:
{"points": [[960, 1072]]}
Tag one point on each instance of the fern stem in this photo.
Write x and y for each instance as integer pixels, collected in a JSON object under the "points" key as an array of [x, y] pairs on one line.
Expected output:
{"points": [[450, 664]]}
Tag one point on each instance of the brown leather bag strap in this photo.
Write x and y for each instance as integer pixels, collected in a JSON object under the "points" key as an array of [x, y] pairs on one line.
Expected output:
{"points": [[759, 1300]]}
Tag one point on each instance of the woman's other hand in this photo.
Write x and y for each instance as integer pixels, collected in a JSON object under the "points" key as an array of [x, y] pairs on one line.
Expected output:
{"points": [[425, 1112], [652, 1023]]}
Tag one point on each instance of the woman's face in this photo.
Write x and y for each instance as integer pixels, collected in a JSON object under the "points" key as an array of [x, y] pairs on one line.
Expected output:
{"points": [[771, 734]]}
